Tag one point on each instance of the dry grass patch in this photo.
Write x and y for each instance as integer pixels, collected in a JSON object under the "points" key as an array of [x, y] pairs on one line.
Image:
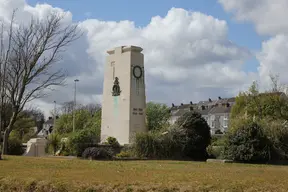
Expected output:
{"points": [[56, 174]]}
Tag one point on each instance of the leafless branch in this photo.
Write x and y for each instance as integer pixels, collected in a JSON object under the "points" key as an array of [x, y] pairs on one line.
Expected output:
{"points": [[34, 51]]}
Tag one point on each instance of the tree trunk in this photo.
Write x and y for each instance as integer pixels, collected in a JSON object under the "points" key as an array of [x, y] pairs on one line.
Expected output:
{"points": [[7, 133], [5, 142]]}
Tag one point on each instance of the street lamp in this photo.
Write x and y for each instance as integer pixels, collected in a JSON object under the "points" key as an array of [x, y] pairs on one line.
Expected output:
{"points": [[54, 118], [75, 81]]}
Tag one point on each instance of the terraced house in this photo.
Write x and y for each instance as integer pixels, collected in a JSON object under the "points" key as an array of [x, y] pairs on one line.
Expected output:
{"points": [[215, 112]]}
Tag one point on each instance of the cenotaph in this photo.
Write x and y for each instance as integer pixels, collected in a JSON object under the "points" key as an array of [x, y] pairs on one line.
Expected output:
{"points": [[124, 99]]}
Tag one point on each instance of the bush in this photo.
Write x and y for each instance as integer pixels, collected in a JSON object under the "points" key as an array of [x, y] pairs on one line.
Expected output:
{"points": [[248, 144], [124, 154], [189, 138], [15, 146], [215, 152], [161, 146], [197, 135], [277, 132], [146, 145], [79, 141], [54, 141], [97, 153], [112, 141], [218, 140]]}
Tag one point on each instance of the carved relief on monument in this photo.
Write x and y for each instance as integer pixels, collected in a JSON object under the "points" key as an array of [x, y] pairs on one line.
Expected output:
{"points": [[113, 70], [116, 87]]}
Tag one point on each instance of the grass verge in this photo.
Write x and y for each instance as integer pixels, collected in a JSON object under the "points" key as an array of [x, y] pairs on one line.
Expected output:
{"points": [[23, 174]]}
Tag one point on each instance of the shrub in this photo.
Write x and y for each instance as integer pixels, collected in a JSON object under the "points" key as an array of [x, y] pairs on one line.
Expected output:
{"points": [[277, 132], [248, 144], [54, 141], [169, 145], [97, 153], [197, 135], [215, 152], [112, 141], [146, 145], [218, 140], [189, 138], [79, 141], [172, 144], [15, 146], [124, 154]]}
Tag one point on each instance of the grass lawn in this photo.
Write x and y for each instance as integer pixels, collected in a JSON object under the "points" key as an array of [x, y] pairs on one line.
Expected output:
{"points": [[57, 174]]}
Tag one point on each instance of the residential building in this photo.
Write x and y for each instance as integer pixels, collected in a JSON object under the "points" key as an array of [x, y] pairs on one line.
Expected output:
{"points": [[215, 112]]}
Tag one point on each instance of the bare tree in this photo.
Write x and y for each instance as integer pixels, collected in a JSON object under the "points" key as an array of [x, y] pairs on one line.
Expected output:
{"points": [[30, 71], [36, 115], [91, 108], [4, 56], [67, 107]]}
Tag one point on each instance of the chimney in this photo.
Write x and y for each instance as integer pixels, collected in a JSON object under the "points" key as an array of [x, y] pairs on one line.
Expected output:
{"points": [[49, 118], [191, 108], [181, 104], [210, 100], [219, 98], [173, 105], [191, 103]]}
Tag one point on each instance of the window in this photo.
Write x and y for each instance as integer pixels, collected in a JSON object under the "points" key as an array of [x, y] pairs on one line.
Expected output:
{"points": [[225, 123]]}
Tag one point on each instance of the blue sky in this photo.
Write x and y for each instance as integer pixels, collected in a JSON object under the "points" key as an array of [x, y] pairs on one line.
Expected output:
{"points": [[141, 12]]}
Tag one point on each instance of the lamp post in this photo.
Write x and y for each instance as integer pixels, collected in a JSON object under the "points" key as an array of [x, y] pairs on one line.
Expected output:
{"points": [[54, 118], [74, 106]]}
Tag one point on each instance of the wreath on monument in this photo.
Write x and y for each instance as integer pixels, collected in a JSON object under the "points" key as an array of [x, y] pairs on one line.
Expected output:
{"points": [[135, 68]]}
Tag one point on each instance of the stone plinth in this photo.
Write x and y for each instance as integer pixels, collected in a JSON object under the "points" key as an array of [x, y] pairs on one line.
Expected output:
{"points": [[36, 147]]}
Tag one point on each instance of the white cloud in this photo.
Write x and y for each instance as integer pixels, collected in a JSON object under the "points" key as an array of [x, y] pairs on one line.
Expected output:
{"points": [[274, 58], [268, 16], [187, 56]]}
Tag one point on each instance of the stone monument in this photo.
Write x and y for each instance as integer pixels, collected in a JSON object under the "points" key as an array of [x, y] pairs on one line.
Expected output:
{"points": [[124, 99], [36, 147]]}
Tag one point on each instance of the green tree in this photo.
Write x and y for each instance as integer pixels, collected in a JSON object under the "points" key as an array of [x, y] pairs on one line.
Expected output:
{"points": [[87, 132], [64, 122], [249, 144], [82, 139], [198, 135], [272, 104], [157, 115]]}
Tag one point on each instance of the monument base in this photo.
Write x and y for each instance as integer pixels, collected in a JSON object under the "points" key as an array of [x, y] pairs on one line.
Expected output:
{"points": [[36, 147]]}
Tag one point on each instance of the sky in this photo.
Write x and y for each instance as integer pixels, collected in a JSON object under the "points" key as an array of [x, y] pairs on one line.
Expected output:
{"points": [[194, 50]]}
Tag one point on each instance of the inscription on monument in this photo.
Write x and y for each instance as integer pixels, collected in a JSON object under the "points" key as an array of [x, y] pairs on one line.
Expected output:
{"points": [[135, 110]]}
